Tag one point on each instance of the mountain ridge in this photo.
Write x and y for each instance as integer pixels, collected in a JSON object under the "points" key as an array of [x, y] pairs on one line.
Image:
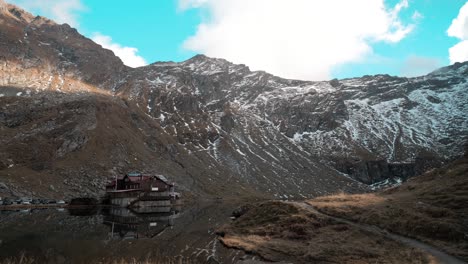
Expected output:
{"points": [[215, 127]]}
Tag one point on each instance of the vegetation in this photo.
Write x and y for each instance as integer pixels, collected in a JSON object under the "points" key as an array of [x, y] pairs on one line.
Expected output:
{"points": [[432, 208], [280, 231]]}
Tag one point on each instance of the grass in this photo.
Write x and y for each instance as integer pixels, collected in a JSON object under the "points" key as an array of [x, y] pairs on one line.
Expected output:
{"points": [[432, 208], [279, 231]]}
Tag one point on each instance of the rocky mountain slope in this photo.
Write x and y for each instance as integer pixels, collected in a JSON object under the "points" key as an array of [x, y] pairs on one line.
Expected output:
{"points": [[72, 115], [372, 120]]}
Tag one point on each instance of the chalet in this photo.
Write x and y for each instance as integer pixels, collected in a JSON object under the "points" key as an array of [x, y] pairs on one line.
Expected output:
{"points": [[140, 182], [141, 191]]}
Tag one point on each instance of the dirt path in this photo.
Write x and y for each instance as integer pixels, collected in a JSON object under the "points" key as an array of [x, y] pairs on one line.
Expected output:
{"points": [[440, 256]]}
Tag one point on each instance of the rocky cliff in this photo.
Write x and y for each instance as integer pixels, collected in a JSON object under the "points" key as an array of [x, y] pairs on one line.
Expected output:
{"points": [[72, 115]]}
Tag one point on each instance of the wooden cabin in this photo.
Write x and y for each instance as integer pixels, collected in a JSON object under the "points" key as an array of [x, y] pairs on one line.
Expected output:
{"points": [[140, 182]]}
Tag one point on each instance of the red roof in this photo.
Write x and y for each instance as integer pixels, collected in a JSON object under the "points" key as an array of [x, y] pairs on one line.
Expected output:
{"points": [[139, 178]]}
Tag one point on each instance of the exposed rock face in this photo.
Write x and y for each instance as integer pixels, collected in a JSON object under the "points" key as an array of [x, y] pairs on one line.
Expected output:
{"points": [[73, 114], [371, 119], [374, 171]]}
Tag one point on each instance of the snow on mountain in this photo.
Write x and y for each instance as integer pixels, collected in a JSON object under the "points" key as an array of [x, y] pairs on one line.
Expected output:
{"points": [[209, 122], [205, 101], [388, 117]]}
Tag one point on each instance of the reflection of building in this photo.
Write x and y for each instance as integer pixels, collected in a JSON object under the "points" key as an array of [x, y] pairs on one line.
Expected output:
{"points": [[126, 224], [138, 191]]}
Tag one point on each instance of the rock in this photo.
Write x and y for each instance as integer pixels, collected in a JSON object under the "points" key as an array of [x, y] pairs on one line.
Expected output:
{"points": [[227, 122], [172, 149], [373, 171], [3, 186], [72, 142], [335, 83], [238, 212], [84, 201]]}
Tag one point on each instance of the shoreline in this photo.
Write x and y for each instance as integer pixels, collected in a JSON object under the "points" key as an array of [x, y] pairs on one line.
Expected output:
{"points": [[46, 206]]}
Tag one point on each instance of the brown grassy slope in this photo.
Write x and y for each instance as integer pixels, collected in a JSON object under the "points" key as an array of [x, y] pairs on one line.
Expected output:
{"points": [[34, 48], [279, 231], [66, 145], [432, 208]]}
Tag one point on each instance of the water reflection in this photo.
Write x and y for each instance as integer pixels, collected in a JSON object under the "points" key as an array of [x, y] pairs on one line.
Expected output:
{"points": [[96, 234], [127, 224]]}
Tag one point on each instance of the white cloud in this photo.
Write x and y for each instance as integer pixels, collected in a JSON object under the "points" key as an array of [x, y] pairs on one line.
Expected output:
{"points": [[299, 39], [459, 29], [127, 54], [418, 66], [185, 4], [59, 10], [459, 52]]}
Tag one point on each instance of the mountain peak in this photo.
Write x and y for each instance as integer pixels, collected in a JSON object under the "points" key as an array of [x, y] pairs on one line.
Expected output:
{"points": [[15, 12], [201, 58], [22, 15], [205, 65]]}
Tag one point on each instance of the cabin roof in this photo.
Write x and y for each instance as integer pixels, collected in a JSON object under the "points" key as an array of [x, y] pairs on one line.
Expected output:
{"points": [[134, 174], [164, 179], [138, 177]]}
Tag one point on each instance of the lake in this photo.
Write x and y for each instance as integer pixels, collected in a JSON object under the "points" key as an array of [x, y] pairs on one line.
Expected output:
{"points": [[117, 235]]}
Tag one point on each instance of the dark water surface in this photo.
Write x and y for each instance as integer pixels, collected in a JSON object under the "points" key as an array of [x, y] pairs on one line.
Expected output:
{"points": [[114, 234]]}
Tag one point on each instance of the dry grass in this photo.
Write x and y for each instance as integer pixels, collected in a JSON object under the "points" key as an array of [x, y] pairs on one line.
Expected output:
{"points": [[346, 200], [279, 231], [432, 207]]}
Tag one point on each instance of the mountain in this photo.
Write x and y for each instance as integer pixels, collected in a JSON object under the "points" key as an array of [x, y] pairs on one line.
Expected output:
{"points": [[72, 115], [374, 120]]}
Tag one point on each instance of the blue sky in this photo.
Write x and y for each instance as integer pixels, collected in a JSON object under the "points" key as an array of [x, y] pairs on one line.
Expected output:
{"points": [[296, 38], [156, 28], [428, 40]]}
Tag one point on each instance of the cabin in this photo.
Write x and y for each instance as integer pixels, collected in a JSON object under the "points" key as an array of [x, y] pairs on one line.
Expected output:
{"points": [[138, 190], [140, 182]]}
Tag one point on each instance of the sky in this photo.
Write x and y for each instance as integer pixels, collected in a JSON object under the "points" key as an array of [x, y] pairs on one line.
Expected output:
{"points": [[297, 39]]}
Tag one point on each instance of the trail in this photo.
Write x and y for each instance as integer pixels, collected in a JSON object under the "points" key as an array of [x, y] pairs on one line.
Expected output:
{"points": [[440, 256]]}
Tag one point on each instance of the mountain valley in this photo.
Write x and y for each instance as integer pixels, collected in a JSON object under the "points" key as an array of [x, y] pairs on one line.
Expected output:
{"points": [[73, 115]]}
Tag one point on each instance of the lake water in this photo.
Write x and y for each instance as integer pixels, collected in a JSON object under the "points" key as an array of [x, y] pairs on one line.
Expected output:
{"points": [[110, 235]]}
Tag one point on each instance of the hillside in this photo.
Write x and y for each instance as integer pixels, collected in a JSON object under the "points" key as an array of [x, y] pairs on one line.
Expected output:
{"points": [[431, 207], [355, 228], [72, 115]]}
